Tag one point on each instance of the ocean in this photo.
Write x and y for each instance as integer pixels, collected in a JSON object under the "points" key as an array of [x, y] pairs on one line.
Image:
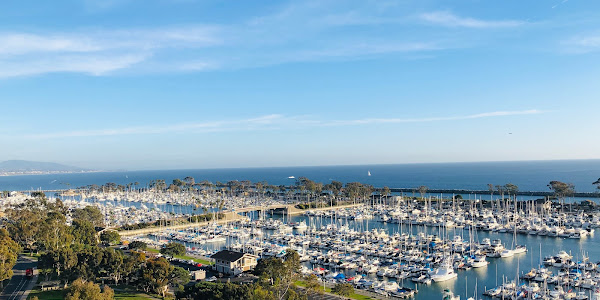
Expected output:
{"points": [[527, 175]]}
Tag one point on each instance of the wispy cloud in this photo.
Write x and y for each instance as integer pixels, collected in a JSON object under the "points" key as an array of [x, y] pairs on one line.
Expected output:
{"points": [[96, 52], [560, 3], [209, 126], [295, 32], [583, 43], [94, 41], [434, 119], [89, 64], [311, 31], [449, 19], [267, 122]]}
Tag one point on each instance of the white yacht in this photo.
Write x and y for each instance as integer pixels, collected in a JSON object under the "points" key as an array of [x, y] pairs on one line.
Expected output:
{"points": [[520, 249], [300, 225], [507, 253], [443, 273], [479, 262]]}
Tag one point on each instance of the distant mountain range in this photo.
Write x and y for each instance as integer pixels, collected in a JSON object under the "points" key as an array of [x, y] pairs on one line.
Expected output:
{"points": [[15, 167]]}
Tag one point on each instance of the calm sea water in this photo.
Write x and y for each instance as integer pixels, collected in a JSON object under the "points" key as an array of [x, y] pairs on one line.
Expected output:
{"points": [[528, 175]]}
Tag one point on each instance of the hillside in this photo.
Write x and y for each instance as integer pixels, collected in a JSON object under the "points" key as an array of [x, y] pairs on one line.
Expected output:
{"points": [[35, 167]]}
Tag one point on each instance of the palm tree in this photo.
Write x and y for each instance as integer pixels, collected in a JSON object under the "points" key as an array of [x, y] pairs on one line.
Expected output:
{"points": [[512, 189], [500, 190], [491, 189], [422, 190], [385, 192], [597, 184]]}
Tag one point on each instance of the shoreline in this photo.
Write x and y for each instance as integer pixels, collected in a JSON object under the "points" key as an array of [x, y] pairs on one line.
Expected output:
{"points": [[33, 173], [416, 192]]}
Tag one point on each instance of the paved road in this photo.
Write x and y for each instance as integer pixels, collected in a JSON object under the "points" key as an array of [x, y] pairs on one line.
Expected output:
{"points": [[19, 283]]}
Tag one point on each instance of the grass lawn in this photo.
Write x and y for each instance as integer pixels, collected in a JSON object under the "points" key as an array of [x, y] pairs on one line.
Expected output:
{"points": [[328, 290], [47, 295], [131, 296], [186, 257], [60, 294]]}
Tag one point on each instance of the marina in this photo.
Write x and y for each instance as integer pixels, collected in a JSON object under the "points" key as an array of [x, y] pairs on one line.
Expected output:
{"points": [[383, 249], [416, 245]]}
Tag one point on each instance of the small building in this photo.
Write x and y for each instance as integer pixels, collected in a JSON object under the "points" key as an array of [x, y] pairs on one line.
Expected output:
{"points": [[198, 275], [233, 263]]}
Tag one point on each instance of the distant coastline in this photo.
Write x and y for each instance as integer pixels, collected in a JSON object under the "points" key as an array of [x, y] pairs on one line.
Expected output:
{"points": [[26, 167], [26, 173]]}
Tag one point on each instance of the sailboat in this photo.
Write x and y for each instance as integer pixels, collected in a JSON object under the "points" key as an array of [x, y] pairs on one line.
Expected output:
{"points": [[368, 173]]}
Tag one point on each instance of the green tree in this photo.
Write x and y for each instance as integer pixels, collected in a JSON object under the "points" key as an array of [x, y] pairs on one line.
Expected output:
{"points": [[53, 232], [25, 223], [261, 293], [58, 261], [173, 249], [84, 232], [89, 263], [312, 285], [179, 276], [422, 191], [561, 190], [155, 276], [491, 189], [270, 270], [9, 251], [189, 180], [279, 275], [178, 182], [138, 245], [343, 289], [511, 189], [112, 264], [91, 214], [82, 290], [220, 291], [385, 192], [132, 265], [38, 195], [110, 237]]}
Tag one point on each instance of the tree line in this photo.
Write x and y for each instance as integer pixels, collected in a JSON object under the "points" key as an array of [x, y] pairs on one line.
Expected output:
{"points": [[75, 253]]}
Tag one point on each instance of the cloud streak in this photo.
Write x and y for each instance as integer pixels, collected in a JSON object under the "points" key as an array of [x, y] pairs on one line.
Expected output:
{"points": [[435, 119], [97, 52], [266, 122], [297, 32], [583, 43], [448, 19], [313, 31]]}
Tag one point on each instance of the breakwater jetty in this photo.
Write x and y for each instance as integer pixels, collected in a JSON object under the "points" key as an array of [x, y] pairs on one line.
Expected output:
{"points": [[487, 192], [415, 190]]}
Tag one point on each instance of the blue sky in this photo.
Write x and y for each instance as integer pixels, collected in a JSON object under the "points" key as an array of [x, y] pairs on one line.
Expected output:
{"points": [[159, 84]]}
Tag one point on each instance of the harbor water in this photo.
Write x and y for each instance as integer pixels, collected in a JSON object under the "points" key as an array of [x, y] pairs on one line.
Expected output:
{"points": [[498, 271]]}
